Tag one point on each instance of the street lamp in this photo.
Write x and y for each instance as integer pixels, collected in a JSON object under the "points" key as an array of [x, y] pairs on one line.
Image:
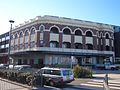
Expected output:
{"points": [[11, 22]]}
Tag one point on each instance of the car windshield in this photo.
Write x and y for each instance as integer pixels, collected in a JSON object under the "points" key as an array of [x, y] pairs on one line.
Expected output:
{"points": [[67, 72]]}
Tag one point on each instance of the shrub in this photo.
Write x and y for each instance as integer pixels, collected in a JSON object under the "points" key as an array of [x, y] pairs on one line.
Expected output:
{"points": [[81, 72]]}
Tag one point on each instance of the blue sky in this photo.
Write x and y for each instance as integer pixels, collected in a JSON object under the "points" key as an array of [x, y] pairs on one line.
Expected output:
{"points": [[104, 11]]}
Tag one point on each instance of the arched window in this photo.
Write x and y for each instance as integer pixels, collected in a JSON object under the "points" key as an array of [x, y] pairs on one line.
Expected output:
{"points": [[54, 44], [101, 35], [26, 38], [78, 32], [66, 45], [66, 31], [16, 36], [42, 28], [21, 40], [89, 46], [26, 33], [89, 34], [107, 36], [78, 46], [32, 31], [21, 35], [54, 30]]}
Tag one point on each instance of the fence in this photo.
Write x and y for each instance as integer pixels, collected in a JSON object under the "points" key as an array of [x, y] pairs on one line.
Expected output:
{"points": [[105, 83], [14, 80]]}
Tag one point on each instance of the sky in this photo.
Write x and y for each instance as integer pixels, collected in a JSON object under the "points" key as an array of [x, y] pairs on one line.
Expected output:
{"points": [[103, 11]]}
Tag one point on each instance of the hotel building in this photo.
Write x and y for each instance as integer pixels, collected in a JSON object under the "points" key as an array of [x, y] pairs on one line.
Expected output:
{"points": [[53, 41]]}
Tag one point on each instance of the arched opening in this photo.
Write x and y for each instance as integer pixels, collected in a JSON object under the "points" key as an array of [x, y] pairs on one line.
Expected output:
{"points": [[32, 38], [26, 38], [16, 41], [54, 44], [89, 34], [42, 28], [26, 33], [66, 31], [78, 46], [54, 30], [78, 32], [66, 45], [107, 36], [89, 46], [21, 40], [32, 31]]}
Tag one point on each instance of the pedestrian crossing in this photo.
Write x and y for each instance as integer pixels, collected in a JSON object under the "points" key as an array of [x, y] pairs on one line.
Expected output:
{"points": [[113, 84]]}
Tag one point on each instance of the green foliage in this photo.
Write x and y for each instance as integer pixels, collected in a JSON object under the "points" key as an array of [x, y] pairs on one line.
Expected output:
{"points": [[81, 72]]}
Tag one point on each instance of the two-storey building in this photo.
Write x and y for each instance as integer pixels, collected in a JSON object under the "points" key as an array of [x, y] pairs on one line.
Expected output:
{"points": [[55, 41]]}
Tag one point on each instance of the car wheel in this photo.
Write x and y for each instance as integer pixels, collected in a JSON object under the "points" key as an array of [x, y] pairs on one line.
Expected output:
{"points": [[113, 68], [51, 83]]}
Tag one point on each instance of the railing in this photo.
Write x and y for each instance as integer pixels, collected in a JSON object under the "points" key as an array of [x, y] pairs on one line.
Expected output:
{"points": [[105, 83]]}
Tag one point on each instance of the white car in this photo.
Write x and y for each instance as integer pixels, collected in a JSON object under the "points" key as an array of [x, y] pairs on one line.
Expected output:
{"points": [[57, 76]]}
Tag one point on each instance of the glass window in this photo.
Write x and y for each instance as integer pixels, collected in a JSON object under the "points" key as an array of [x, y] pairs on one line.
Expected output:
{"points": [[42, 28], [7, 45], [55, 72], [3, 46], [54, 30], [78, 32], [67, 72], [3, 39], [26, 33], [47, 71], [66, 31], [89, 33], [7, 38], [21, 34]]}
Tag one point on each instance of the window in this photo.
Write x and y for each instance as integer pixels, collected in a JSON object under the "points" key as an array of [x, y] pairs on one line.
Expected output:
{"points": [[67, 72], [3, 39], [42, 27], [26, 33], [2, 46], [107, 36], [7, 37], [89, 34], [54, 30], [32, 31], [52, 72], [21, 35], [66, 31], [16, 36], [7, 45], [78, 32]]}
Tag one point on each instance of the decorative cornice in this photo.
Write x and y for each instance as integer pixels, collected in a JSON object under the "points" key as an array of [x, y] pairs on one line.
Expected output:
{"points": [[65, 21]]}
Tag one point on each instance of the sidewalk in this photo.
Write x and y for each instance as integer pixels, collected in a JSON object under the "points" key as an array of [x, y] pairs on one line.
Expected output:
{"points": [[7, 84]]}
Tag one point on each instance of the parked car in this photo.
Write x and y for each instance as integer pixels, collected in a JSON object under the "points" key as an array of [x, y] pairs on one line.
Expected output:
{"points": [[110, 66], [57, 76], [3, 66]]}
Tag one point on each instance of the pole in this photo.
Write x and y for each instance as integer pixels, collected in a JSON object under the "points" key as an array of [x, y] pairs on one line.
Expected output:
{"points": [[11, 21]]}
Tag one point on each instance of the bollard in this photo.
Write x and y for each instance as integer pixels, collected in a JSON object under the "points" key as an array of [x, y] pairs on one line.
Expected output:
{"points": [[106, 79]]}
